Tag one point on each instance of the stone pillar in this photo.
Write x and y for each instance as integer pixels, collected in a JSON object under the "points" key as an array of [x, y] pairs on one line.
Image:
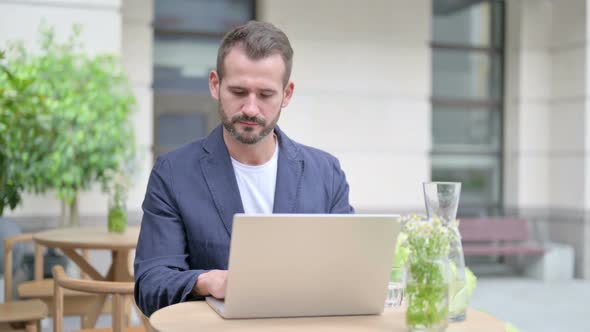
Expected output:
{"points": [[137, 54], [546, 135], [527, 108], [569, 131]]}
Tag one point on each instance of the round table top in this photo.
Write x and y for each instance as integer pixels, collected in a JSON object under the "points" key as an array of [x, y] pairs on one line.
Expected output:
{"points": [[198, 316], [89, 237]]}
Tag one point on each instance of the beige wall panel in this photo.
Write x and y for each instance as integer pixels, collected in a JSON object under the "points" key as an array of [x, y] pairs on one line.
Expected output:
{"points": [[532, 181], [569, 23], [142, 117], [37, 205], [533, 127], [535, 23], [362, 68], [385, 182], [101, 24], [535, 75], [142, 120], [362, 75], [568, 126], [137, 53], [567, 181], [138, 61], [512, 120], [359, 124], [344, 20], [71, 3], [568, 73], [511, 186], [138, 11]]}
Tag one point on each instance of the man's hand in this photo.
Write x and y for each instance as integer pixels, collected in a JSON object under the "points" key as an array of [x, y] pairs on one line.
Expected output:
{"points": [[211, 283]]}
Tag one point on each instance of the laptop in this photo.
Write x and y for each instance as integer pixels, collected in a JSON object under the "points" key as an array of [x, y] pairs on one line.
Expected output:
{"points": [[293, 265]]}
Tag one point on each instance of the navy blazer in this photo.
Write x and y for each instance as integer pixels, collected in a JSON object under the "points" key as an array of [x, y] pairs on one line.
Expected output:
{"points": [[191, 198]]}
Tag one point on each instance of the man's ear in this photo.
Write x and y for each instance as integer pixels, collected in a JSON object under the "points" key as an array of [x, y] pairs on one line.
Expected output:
{"points": [[288, 93], [214, 84]]}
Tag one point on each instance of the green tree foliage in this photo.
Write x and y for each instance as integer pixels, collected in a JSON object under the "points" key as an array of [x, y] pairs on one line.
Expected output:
{"points": [[20, 132], [64, 119]]}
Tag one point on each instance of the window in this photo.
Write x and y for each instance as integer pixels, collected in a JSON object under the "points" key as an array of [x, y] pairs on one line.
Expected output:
{"points": [[467, 93], [187, 34]]}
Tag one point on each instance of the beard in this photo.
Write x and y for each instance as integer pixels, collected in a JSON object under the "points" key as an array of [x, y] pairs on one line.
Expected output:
{"points": [[248, 135]]}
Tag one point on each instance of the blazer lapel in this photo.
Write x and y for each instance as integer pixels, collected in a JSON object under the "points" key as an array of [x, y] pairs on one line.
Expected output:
{"points": [[221, 180], [289, 174]]}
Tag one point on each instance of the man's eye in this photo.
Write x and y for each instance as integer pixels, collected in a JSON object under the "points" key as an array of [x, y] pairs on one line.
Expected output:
{"points": [[239, 92], [266, 95]]}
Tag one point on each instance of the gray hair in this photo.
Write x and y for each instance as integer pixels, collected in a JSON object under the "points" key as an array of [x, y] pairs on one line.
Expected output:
{"points": [[259, 40]]}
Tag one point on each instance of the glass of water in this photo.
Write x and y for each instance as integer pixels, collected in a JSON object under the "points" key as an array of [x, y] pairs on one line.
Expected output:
{"points": [[395, 287]]}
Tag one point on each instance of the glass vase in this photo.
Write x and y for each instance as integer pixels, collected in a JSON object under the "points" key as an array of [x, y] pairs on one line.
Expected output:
{"points": [[458, 298], [427, 294], [117, 218], [442, 200]]}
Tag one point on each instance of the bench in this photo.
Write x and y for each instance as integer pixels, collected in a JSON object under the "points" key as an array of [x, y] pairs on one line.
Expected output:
{"points": [[509, 240], [497, 236]]}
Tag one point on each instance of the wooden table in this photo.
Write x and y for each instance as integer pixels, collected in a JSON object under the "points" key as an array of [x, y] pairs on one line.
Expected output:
{"points": [[198, 316], [68, 240]]}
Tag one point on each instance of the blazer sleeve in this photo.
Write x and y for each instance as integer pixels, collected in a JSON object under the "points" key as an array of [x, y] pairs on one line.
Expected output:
{"points": [[162, 275], [340, 191]]}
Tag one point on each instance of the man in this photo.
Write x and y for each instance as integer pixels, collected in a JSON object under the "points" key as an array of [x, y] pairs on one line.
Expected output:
{"points": [[246, 165]]}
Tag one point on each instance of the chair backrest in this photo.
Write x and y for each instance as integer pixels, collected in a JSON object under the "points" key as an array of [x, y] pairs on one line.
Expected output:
{"points": [[493, 229], [117, 289], [38, 266], [9, 244]]}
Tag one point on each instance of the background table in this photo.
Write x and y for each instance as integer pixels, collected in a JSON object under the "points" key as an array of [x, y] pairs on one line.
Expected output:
{"points": [[68, 240], [198, 316]]}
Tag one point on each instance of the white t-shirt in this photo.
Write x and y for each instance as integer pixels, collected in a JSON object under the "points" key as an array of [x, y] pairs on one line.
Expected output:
{"points": [[257, 184]]}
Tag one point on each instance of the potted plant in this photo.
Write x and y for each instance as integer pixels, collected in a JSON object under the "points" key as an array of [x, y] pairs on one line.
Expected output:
{"points": [[20, 130], [19, 108], [64, 122], [84, 128]]}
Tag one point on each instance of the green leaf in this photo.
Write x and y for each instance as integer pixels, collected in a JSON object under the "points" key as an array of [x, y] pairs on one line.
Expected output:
{"points": [[64, 117]]}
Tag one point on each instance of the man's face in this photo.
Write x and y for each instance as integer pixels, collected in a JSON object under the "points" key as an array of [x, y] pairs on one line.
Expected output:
{"points": [[251, 95]]}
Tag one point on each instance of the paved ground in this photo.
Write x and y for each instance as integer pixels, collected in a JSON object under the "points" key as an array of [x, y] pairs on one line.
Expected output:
{"points": [[530, 305], [535, 306]]}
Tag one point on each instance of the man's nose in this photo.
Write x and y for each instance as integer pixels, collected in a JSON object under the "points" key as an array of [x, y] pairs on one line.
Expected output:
{"points": [[250, 107]]}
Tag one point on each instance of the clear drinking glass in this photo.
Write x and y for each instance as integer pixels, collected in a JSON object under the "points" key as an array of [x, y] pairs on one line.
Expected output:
{"points": [[442, 201], [395, 287]]}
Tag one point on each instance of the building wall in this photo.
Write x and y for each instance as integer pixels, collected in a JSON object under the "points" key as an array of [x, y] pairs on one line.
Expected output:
{"points": [[546, 149], [362, 86], [363, 82], [137, 57], [118, 27], [569, 132], [526, 120]]}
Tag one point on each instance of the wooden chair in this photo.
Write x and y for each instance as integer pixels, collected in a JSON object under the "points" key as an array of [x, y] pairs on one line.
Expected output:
{"points": [[119, 291], [75, 303], [22, 315]]}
